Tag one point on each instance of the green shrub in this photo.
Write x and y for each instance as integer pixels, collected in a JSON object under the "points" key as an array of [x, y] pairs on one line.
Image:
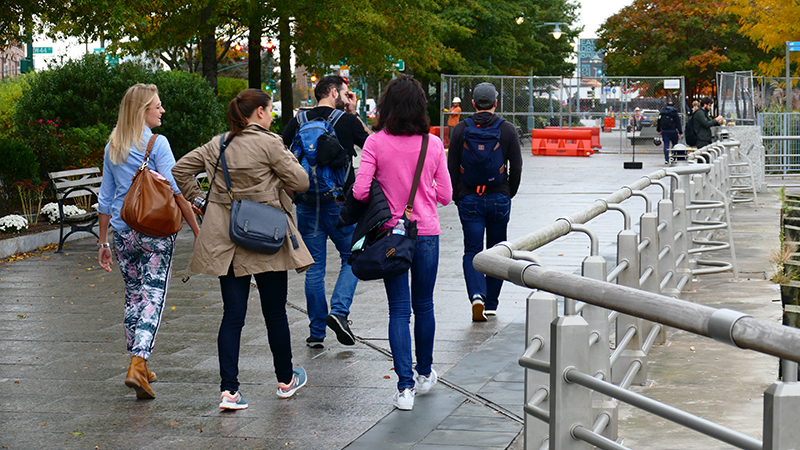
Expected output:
{"points": [[19, 163], [82, 92], [85, 94], [228, 88], [87, 144], [10, 91], [193, 114]]}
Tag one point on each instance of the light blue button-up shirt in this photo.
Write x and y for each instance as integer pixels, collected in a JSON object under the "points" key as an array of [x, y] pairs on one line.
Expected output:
{"points": [[117, 178]]}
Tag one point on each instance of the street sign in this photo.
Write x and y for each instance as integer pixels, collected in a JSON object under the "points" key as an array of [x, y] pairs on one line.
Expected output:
{"points": [[99, 50], [42, 50], [793, 46], [400, 65]]}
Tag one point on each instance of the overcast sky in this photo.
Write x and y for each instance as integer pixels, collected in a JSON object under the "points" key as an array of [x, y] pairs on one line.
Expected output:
{"points": [[594, 12]]}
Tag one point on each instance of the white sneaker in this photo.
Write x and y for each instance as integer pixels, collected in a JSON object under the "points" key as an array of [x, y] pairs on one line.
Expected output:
{"points": [[404, 400], [424, 384]]}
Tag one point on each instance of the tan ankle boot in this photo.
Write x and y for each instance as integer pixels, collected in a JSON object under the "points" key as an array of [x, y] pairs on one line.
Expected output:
{"points": [[151, 376], [137, 378]]}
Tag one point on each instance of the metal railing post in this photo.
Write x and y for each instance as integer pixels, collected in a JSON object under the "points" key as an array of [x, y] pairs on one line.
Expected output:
{"points": [[570, 404], [781, 409], [542, 311], [599, 351], [682, 243], [666, 238]]}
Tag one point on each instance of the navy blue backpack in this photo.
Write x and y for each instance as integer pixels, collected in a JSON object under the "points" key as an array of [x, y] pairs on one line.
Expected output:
{"points": [[482, 160]]}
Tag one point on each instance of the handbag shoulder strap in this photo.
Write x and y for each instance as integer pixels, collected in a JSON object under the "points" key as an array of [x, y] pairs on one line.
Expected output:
{"points": [[150, 145], [420, 162], [225, 172], [223, 144]]}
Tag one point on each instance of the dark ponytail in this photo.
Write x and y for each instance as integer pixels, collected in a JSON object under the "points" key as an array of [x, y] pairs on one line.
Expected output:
{"points": [[242, 107]]}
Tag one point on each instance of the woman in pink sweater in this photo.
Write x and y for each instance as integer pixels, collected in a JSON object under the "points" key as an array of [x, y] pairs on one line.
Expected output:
{"points": [[390, 156]]}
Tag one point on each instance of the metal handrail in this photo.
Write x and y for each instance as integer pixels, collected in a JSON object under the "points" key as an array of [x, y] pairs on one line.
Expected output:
{"points": [[670, 413], [745, 332]]}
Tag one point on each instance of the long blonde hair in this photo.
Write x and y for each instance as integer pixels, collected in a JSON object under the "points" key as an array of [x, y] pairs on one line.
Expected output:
{"points": [[130, 124]]}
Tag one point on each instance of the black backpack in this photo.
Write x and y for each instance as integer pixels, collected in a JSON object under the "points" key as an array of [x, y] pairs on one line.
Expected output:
{"points": [[691, 136], [665, 120]]}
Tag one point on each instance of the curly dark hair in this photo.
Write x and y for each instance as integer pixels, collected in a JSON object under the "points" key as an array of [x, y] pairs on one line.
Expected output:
{"points": [[403, 108]]}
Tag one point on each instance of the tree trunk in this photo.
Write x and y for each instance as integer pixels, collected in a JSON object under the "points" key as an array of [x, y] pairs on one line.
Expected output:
{"points": [[285, 53], [254, 47], [208, 42]]}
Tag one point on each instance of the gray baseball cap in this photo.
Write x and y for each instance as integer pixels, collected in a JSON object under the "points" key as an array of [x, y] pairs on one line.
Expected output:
{"points": [[484, 92]]}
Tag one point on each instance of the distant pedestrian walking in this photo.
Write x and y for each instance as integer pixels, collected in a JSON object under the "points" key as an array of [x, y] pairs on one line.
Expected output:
{"points": [[260, 169], [668, 125], [145, 262], [390, 156], [485, 164]]}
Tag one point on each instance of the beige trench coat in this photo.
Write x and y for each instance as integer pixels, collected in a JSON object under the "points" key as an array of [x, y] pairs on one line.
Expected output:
{"points": [[260, 167]]}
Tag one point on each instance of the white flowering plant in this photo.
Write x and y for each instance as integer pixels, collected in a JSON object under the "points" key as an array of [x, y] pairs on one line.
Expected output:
{"points": [[13, 223], [50, 210]]}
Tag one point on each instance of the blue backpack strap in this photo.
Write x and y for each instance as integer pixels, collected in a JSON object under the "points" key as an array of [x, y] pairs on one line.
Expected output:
{"points": [[302, 118], [498, 122], [470, 122], [335, 116]]}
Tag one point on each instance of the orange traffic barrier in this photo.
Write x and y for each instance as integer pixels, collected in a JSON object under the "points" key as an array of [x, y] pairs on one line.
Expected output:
{"points": [[445, 137], [561, 142], [595, 134]]}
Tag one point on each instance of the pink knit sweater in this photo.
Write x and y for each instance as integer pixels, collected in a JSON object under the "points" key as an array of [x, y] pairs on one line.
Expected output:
{"points": [[392, 160]]}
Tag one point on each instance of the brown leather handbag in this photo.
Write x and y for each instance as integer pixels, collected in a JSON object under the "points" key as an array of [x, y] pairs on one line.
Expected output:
{"points": [[149, 206]]}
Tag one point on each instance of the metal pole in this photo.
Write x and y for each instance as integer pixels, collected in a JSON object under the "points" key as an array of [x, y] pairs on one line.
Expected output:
{"points": [[788, 90], [781, 408], [542, 310]]}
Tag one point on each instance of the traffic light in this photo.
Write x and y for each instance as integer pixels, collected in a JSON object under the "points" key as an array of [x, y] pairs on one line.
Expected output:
{"points": [[313, 78], [270, 46], [237, 47]]}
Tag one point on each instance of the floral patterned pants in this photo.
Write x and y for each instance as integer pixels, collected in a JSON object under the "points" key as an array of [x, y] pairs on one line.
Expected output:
{"points": [[146, 266]]}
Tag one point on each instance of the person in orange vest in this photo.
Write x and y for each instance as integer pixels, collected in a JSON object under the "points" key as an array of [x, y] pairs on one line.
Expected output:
{"points": [[454, 112]]}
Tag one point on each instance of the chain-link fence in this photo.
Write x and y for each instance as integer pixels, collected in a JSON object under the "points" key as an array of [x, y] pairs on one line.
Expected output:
{"points": [[537, 102], [736, 97], [781, 136]]}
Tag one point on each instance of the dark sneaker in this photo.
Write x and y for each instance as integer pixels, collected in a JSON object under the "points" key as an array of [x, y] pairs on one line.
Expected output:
{"points": [[340, 325], [298, 380], [313, 342]]}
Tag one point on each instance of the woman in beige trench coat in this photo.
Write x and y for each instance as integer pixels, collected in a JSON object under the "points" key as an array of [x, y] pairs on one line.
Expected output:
{"points": [[260, 169]]}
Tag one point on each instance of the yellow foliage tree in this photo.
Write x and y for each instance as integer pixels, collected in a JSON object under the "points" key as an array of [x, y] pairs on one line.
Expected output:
{"points": [[768, 23]]}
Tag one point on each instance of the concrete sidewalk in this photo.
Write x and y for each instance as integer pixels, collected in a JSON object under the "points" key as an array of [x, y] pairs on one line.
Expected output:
{"points": [[64, 359]]}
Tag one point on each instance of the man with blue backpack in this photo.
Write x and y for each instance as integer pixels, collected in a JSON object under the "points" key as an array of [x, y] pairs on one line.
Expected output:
{"points": [[485, 164], [668, 125], [323, 140]]}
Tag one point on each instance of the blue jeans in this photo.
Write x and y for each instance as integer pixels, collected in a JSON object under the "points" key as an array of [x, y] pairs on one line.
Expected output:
{"points": [[483, 215], [315, 235], [669, 137], [402, 300], [235, 292]]}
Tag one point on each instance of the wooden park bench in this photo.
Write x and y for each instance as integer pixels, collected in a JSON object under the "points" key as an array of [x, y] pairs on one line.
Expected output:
{"points": [[82, 185]]}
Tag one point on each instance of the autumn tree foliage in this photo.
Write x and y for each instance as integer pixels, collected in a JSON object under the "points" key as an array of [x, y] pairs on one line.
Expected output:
{"points": [[690, 38], [770, 24]]}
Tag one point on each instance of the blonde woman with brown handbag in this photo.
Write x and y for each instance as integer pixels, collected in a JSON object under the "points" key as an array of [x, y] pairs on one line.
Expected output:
{"points": [[145, 261]]}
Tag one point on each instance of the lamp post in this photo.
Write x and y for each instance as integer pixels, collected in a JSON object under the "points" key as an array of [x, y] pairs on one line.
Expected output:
{"points": [[556, 35]]}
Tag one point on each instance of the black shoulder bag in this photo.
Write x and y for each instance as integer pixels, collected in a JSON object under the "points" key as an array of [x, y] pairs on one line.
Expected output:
{"points": [[254, 226], [388, 253]]}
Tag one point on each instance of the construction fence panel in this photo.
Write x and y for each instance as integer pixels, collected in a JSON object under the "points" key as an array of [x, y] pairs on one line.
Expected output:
{"points": [[611, 103]]}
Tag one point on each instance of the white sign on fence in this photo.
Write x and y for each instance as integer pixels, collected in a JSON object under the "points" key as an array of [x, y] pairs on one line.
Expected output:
{"points": [[672, 83]]}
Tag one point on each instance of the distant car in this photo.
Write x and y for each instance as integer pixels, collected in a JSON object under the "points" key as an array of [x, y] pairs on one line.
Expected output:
{"points": [[646, 118]]}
